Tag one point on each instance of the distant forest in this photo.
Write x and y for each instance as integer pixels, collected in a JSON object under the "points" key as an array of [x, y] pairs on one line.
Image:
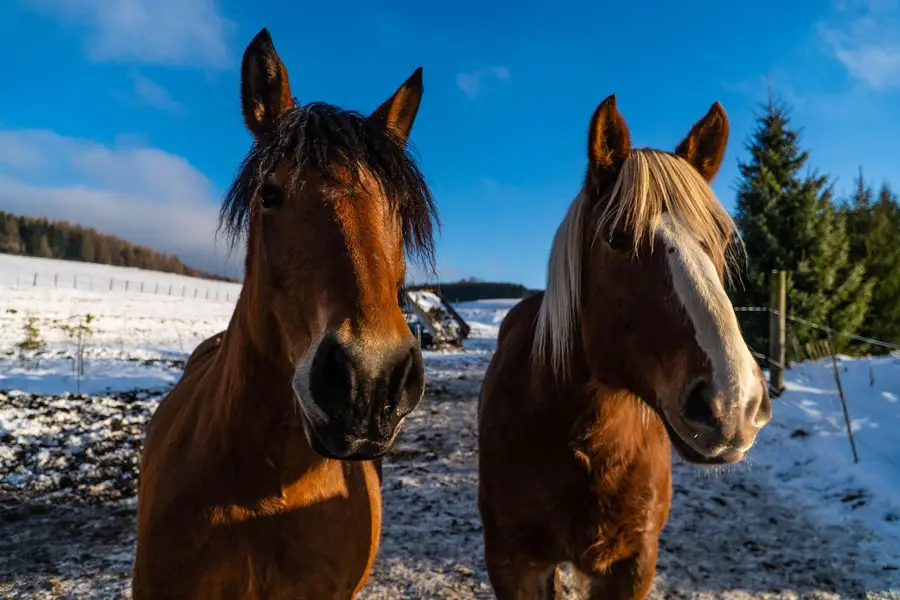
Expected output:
{"points": [[43, 238], [469, 290]]}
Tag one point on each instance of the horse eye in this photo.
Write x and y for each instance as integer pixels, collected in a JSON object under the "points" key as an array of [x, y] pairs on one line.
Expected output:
{"points": [[620, 240], [270, 196]]}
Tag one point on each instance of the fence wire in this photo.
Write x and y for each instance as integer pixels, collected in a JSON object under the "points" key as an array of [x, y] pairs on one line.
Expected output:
{"points": [[823, 328], [818, 350]]}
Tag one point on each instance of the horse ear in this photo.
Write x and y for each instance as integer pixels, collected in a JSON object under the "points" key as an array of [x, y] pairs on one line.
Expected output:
{"points": [[265, 90], [608, 139], [704, 146], [398, 112]]}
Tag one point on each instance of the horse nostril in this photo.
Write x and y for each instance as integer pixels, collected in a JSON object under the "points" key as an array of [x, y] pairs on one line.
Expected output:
{"points": [[332, 379], [759, 413], [698, 406], [416, 377], [334, 366], [408, 381]]}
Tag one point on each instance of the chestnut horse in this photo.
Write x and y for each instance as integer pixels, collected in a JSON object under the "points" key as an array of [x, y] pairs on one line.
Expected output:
{"points": [[260, 474], [634, 345]]}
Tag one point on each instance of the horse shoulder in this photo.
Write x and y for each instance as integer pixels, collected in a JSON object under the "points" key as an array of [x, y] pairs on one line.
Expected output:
{"points": [[164, 470], [518, 326], [507, 380], [167, 432]]}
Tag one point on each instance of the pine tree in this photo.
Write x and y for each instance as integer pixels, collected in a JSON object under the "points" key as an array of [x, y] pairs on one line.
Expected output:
{"points": [[788, 221], [858, 213], [874, 228], [10, 241], [39, 246]]}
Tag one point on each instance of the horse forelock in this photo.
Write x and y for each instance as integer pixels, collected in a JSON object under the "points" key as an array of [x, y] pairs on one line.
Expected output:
{"points": [[332, 143], [649, 184]]}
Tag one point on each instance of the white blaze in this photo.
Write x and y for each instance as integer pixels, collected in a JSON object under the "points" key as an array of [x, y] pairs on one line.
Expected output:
{"points": [[699, 289]]}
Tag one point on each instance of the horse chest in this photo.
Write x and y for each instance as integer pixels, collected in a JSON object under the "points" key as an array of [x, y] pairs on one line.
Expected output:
{"points": [[316, 541], [625, 508], [324, 540]]}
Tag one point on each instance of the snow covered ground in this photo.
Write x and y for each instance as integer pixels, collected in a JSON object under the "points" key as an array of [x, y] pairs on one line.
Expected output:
{"points": [[62, 274], [798, 520]]}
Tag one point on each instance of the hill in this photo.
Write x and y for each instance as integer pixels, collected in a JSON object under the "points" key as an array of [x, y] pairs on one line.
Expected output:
{"points": [[43, 238]]}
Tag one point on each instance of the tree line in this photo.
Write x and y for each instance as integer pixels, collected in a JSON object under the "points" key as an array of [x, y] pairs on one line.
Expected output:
{"points": [[841, 254], [469, 290], [44, 238]]}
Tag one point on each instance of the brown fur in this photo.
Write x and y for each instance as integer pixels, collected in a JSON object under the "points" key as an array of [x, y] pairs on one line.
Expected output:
{"points": [[234, 501], [204, 351], [574, 467]]}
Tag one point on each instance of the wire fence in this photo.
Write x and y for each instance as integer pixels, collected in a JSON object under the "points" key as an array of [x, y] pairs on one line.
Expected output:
{"points": [[822, 328], [211, 290], [821, 348]]}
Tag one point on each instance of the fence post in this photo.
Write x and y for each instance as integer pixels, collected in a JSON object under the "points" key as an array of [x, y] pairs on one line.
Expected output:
{"points": [[777, 318], [837, 378], [35, 280], [111, 283]]}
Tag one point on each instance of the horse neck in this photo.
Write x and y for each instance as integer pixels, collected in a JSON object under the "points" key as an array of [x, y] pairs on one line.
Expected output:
{"points": [[253, 412], [609, 423]]}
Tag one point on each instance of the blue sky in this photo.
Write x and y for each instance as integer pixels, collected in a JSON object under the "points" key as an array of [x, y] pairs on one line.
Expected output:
{"points": [[124, 114]]}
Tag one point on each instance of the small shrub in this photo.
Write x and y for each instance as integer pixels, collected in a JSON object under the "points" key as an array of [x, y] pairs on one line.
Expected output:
{"points": [[32, 344]]}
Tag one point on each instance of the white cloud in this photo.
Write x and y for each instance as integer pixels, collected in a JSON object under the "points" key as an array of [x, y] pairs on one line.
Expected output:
{"points": [[142, 194], [864, 36], [416, 274], [473, 82], [781, 83], [146, 92], [190, 33]]}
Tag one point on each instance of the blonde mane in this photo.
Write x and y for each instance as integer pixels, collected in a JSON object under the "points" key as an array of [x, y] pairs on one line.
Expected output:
{"points": [[649, 184]]}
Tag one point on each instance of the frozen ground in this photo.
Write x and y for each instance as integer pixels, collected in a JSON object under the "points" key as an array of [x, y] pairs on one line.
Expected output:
{"points": [[799, 521]]}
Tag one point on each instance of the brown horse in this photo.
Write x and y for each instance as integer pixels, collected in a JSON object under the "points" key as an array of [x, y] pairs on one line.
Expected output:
{"points": [[260, 474], [634, 345]]}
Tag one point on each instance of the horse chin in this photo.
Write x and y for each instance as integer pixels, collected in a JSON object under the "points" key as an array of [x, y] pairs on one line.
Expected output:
{"points": [[343, 448], [690, 455]]}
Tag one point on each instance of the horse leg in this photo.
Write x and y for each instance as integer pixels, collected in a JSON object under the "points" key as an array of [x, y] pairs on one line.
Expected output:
{"points": [[523, 579], [628, 579]]}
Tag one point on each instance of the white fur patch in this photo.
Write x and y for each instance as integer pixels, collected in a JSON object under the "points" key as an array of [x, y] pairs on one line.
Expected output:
{"points": [[697, 286], [301, 383]]}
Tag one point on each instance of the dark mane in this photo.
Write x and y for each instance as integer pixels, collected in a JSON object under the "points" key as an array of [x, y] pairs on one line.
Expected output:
{"points": [[323, 138]]}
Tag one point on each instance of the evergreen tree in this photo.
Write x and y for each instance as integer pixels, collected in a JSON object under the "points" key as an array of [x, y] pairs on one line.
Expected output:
{"points": [[10, 240], [788, 221], [874, 227], [38, 245]]}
